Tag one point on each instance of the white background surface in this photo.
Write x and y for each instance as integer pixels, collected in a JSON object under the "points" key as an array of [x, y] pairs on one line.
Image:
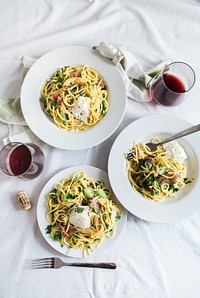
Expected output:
{"points": [[156, 260]]}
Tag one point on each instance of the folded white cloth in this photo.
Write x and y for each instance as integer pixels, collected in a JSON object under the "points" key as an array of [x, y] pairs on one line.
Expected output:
{"points": [[136, 80], [10, 113]]}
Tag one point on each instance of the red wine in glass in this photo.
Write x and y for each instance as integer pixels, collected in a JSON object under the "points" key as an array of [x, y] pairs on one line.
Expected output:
{"points": [[20, 160], [169, 90], [174, 83], [25, 161]]}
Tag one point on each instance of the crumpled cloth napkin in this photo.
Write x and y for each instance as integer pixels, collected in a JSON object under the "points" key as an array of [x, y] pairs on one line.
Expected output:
{"points": [[137, 81], [11, 114]]}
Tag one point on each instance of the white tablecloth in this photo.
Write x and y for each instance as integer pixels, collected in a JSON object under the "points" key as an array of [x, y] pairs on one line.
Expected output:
{"points": [[154, 260]]}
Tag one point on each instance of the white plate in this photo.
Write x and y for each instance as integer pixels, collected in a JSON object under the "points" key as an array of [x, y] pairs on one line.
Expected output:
{"points": [[94, 173], [41, 124], [143, 130]]}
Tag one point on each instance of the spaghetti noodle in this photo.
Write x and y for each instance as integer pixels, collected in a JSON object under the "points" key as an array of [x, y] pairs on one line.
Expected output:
{"points": [[154, 174], [81, 212], [75, 97]]}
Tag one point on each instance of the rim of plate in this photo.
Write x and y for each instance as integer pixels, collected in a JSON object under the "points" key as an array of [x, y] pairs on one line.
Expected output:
{"points": [[96, 174], [40, 123], [142, 130]]}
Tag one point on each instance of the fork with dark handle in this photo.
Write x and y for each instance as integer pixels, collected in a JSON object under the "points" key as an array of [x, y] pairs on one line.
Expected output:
{"points": [[56, 263], [183, 133]]}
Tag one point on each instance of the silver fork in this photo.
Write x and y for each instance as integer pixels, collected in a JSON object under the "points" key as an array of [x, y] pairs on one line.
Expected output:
{"points": [[152, 146], [56, 263]]}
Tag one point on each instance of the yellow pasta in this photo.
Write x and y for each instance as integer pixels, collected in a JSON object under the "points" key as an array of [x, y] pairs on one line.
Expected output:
{"points": [[90, 203], [153, 174], [75, 97]]}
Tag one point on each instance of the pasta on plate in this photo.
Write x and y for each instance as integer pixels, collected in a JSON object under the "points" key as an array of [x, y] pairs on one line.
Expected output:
{"points": [[81, 212], [154, 174], [75, 97]]}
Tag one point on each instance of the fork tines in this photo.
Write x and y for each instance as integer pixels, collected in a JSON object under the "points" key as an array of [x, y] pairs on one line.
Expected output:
{"points": [[42, 263]]}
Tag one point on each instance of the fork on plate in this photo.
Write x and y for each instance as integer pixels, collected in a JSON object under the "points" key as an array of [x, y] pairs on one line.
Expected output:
{"points": [[56, 263]]}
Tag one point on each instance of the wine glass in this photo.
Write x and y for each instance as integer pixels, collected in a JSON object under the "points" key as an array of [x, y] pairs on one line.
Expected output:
{"points": [[171, 88], [24, 161]]}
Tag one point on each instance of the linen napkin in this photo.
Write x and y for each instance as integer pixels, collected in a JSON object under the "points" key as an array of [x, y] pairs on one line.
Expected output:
{"points": [[11, 114], [137, 81]]}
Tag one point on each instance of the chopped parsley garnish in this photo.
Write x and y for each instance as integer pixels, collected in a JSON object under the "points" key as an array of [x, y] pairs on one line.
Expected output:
{"points": [[68, 197], [117, 217], [79, 209], [129, 156], [57, 237], [48, 229]]}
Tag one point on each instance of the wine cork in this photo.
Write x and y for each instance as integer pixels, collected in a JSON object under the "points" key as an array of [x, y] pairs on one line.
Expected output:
{"points": [[23, 200]]}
